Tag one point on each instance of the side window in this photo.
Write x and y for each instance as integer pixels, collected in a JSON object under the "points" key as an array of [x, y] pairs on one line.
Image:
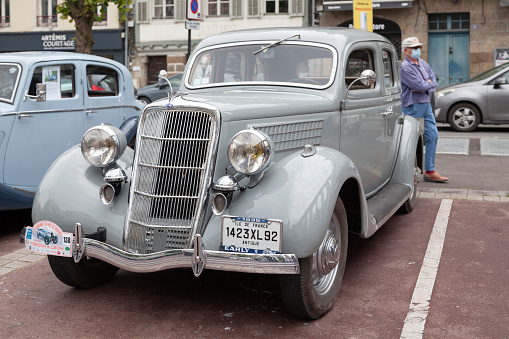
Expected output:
{"points": [[59, 81], [101, 81], [357, 62], [388, 70]]}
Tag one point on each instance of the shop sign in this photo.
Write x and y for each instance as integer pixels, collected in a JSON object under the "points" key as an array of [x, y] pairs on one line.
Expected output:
{"points": [[58, 41]]}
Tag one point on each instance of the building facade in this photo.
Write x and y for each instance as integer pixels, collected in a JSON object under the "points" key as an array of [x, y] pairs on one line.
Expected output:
{"points": [[33, 25], [462, 38], [162, 37]]}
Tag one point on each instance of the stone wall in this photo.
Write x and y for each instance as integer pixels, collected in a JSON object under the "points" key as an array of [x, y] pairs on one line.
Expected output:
{"points": [[139, 67], [491, 18]]}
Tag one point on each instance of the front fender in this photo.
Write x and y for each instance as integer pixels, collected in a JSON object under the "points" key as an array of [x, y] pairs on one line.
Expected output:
{"points": [[69, 193], [300, 191]]}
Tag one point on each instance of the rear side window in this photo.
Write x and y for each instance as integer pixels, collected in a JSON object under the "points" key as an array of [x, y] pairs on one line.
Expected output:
{"points": [[358, 61], [101, 81], [388, 70], [59, 80]]}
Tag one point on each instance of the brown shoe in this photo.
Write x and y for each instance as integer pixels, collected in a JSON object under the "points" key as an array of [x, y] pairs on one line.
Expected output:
{"points": [[434, 177]]}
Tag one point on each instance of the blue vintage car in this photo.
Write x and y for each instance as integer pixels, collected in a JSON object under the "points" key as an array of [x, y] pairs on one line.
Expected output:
{"points": [[47, 101], [279, 143]]}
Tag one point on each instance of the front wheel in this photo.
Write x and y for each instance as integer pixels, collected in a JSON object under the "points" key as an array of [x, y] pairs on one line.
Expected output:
{"points": [[88, 273], [464, 117], [312, 292]]}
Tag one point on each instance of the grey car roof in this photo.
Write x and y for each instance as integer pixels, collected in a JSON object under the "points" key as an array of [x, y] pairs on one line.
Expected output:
{"points": [[328, 35], [29, 58]]}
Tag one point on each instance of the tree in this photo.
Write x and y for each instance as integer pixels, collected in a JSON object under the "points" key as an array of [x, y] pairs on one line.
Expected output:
{"points": [[83, 13]]}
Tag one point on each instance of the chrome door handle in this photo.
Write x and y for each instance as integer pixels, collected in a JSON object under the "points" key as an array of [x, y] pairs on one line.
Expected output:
{"points": [[90, 112], [24, 116], [386, 113]]}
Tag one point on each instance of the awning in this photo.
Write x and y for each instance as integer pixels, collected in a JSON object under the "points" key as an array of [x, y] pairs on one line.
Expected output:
{"points": [[347, 5]]}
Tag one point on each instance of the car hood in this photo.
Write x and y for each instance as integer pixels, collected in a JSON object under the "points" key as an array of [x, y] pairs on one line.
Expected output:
{"points": [[242, 104]]}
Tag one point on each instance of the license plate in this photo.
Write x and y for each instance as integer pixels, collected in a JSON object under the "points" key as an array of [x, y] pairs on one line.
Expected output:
{"points": [[251, 235], [47, 237]]}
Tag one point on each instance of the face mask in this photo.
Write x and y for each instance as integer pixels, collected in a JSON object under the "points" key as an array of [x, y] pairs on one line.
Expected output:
{"points": [[416, 53]]}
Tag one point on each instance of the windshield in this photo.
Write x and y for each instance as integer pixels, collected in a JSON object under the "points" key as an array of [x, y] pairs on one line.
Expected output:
{"points": [[303, 65], [9, 78], [489, 73]]}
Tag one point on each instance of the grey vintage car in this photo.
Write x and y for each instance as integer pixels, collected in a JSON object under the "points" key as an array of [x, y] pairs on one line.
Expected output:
{"points": [[278, 144]]}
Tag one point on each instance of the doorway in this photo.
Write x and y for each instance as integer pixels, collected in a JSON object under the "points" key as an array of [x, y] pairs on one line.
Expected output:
{"points": [[449, 47], [155, 64]]}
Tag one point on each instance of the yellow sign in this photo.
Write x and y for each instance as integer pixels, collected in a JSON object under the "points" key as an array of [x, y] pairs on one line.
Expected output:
{"points": [[363, 15]]}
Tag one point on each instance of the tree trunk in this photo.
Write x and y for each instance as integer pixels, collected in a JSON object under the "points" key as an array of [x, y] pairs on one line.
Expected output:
{"points": [[84, 22]]}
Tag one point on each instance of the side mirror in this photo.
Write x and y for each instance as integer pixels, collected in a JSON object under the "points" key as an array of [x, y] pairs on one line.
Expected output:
{"points": [[367, 78], [40, 91], [498, 82]]}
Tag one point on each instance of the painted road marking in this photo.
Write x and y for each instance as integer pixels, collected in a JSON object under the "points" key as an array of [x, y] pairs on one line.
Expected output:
{"points": [[416, 318]]}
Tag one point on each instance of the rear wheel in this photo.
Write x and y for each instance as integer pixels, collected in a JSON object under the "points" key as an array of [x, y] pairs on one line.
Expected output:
{"points": [[88, 273], [312, 293], [464, 117], [409, 204]]}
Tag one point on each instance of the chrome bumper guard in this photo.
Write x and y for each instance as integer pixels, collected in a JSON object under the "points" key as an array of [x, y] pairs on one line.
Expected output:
{"points": [[196, 258]]}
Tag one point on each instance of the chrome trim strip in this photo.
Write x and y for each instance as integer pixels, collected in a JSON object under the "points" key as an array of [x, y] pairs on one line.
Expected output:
{"points": [[68, 110], [22, 190], [214, 260]]}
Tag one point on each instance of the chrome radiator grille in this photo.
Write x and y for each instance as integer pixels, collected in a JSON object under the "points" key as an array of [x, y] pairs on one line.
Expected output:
{"points": [[170, 174]]}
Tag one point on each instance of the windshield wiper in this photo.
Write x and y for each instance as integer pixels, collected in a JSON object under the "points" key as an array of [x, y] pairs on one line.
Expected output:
{"points": [[264, 49]]}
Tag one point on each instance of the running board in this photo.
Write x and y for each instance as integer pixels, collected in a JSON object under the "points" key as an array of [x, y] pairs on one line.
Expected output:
{"points": [[385, 203]]}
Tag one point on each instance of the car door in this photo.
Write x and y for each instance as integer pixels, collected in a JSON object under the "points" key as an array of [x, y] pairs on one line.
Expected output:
{"points": [[44, 129], [497, 98], [364, 124], [104, 95], [392, 106]]}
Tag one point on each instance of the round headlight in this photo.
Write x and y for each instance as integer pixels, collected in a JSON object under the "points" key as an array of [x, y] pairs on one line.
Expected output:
{"points": [[250, 151], [102, 145]]}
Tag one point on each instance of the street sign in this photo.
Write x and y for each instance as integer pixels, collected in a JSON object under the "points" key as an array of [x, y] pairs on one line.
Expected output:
{"points": [[192, 24], [193, 10]]}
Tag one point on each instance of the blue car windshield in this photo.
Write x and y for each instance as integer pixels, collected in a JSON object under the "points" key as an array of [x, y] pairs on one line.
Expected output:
{"points": [[489, 73], [9, 79], [288, 63]]}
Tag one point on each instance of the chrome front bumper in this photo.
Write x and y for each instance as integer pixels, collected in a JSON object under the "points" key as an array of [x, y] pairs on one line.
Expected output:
{"points": [[196, 258]]}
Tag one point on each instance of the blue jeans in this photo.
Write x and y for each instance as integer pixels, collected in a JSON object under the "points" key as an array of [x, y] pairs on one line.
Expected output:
{"points": [[430, 131]]}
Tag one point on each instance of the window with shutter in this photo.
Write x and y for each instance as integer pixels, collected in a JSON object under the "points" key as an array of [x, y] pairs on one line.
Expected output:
{"points": [[219, 7], [253, 8], [142, 11], [236, 9], [297, 7]]}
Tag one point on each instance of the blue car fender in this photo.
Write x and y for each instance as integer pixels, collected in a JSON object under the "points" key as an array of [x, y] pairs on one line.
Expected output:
{"points": [[69, 193], [130, 128], [300, 191]]}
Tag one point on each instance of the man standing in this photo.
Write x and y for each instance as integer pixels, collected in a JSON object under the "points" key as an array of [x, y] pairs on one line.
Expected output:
{"points": [[418, 81]]}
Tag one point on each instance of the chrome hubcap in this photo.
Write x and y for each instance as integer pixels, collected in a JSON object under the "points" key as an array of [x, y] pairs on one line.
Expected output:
{"points": [[326, 258]]}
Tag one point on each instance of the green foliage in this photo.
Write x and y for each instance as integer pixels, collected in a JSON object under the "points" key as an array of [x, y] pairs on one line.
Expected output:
{"points": [[71, 8]]}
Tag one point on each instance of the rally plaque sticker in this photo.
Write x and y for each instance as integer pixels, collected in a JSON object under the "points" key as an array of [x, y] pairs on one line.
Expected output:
{"points": [[46, 237]]}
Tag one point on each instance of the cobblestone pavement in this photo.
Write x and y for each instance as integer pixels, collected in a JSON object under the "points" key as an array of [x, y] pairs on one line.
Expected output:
{"points": [[18, 259]]}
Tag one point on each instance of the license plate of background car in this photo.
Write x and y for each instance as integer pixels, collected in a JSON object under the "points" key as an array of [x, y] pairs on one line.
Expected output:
{"points": [[251, 235]]}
